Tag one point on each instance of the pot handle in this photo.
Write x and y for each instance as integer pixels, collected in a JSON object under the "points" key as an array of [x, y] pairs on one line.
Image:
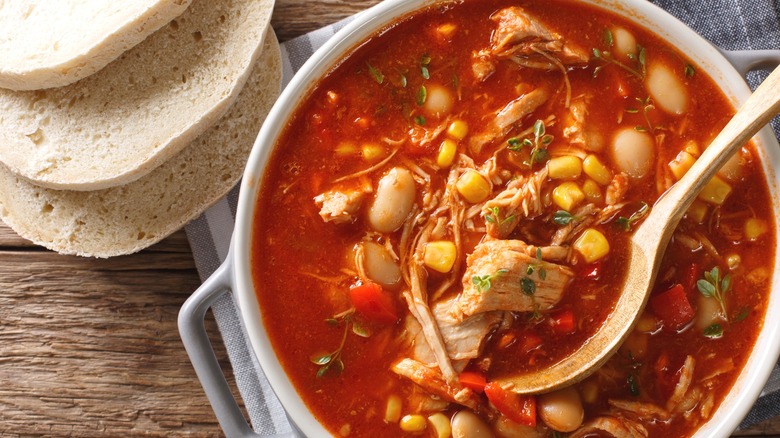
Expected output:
{"points": [[193, 334], [747, 60]]}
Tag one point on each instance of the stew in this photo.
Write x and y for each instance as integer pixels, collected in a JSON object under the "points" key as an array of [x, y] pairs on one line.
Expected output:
{"points": [[450, 207]]}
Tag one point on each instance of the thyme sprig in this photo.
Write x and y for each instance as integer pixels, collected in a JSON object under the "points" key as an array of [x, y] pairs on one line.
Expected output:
{"points": [[494, 217], [640, 58], [712, 286], [331, 362], [483, 282], [538, 144], [627, 222]]}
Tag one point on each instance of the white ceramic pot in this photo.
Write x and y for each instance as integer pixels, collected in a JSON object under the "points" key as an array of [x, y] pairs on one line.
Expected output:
{"points": [[235, 273]]}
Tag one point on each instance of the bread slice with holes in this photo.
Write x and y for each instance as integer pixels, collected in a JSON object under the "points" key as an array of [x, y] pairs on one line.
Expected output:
{"points": [[52, 43], [126, 219], [119, 124]]}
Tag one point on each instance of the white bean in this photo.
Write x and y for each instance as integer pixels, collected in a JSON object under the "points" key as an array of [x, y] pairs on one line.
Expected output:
{"points": [[633, 152], [561, 410], [394, 200], [625, 43], [380, 265], [666, 89], [733, 170], [466, 424], [439, 101], [707, 312]]}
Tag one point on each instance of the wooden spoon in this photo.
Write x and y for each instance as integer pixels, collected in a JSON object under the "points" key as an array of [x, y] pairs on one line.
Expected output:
{"points": [[648, 244]]}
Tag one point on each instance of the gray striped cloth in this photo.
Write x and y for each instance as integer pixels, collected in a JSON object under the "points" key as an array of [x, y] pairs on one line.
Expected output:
{"points": [[731, 24]]}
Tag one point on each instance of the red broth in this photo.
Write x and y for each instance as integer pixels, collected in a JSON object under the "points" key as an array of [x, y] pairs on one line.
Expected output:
{"points": [[342, 335]]}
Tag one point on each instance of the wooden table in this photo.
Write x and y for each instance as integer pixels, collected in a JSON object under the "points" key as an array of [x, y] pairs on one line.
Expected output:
{"points": [[90, 347]]}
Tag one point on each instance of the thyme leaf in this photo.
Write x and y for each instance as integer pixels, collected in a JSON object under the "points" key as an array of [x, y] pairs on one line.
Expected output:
{"points": [[376, 74], [714, 331], [563, 217], [483, 282]]}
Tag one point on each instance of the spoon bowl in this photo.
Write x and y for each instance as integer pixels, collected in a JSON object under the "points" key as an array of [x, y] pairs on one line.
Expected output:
{"points": [[648, 244]]}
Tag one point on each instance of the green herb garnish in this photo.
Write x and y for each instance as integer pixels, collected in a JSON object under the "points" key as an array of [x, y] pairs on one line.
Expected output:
{"points": [[538, 144], [425, 61], [563, 217], [420, 120], [494, 216], [422, 95], [689, 70], [627, 222], [376, 74], [483, 282], [607, 58], [713, 287], [331, 362], [714, 331]]}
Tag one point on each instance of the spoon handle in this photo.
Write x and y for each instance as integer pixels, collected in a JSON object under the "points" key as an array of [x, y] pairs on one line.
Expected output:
{"points": [[756, 112]]}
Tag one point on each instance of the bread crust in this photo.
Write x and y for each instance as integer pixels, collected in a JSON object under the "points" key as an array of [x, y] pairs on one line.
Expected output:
{"points": [[50, 44], [126, 219]]}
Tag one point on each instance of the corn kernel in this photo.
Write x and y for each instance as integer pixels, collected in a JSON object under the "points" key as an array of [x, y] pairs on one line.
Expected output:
{"points": [[754, 228], [413, 423], [594, 168], [592, 191], [692, 148], [733, 261], [393, 409], [447, 152], [441, 425], [446, 30], [592, 245], [372, 151], [458, 130], [647, 323], [473, 186], [697, 211], [565, 167], [440, 255], [567, 195], [346, 148], [716, 191], [681, 164]]}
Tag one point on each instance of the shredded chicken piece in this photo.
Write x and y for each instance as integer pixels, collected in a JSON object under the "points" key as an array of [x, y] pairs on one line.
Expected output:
{"points": [[521, 37], [495, 273], [501, 122], [422, 136], [584, 217], [521, 199], [617, 188], [725, 366], [708, 246], [706, 406], [431, 381], [618, 427], [645, 411], [376, 166], [465, 338], [341, 205], [686, 377]]}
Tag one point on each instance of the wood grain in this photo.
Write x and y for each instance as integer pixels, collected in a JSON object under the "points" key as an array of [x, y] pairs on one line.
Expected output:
{"points": [[90, 347]]}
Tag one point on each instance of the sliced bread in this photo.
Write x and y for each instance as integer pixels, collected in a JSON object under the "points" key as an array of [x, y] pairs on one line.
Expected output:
{"points": [[52, 43], [126, 219], [120, 123]]}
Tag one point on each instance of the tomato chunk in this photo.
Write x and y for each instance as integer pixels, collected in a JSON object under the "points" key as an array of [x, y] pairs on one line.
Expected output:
{"points": [[518, 408], [672, 307], [563, 322], [373, 303], [473, 380]]}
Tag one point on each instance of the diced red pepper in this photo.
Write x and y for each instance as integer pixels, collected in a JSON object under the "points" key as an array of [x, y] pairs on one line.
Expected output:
{"points": [[563, 322], [373, 303], [672, 307], [518, 408], [473, 380]]}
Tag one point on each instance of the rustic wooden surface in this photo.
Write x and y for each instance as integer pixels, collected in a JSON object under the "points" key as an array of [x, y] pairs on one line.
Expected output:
{"points": [[90, 347]]}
